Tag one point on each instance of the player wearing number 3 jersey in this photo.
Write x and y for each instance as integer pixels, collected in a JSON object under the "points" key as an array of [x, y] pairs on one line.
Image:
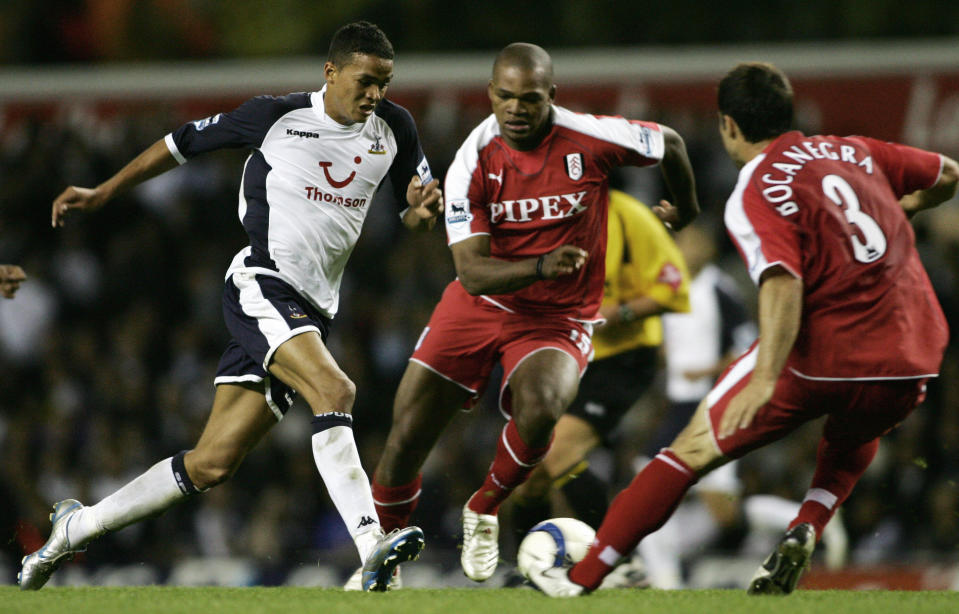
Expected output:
{"points": [[826, 210], [849, 325]]}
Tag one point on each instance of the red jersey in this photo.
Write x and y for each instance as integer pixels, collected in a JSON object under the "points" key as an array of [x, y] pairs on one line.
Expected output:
{"points": [[827, 209], [531, 202]]}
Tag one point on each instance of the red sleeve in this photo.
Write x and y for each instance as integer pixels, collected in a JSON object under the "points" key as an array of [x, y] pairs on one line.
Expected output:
{"points": [[907, 168], [764, 236]]}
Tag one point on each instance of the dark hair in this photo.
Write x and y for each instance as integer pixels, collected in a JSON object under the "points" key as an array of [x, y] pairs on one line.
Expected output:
{"points": [[359, 37], [759, 97]]}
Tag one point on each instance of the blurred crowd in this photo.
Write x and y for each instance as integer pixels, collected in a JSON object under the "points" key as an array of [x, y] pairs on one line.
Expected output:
{"points": [[135, 30], [107, 357]]}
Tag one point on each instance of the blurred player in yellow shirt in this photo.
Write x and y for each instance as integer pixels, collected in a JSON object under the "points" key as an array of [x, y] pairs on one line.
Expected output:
{"points": [[646, 276]]}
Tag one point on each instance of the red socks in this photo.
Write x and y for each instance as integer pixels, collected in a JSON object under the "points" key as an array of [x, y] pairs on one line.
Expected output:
{"points": [[640, 509], [513, 463], [395, 504], [837, 471]]}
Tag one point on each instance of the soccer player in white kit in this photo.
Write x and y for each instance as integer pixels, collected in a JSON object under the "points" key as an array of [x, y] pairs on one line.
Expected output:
{"points": [[316, 161]]}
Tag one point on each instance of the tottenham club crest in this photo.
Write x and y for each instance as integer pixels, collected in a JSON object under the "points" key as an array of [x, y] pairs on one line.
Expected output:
{"points": [[377, 146], [574, 166]]}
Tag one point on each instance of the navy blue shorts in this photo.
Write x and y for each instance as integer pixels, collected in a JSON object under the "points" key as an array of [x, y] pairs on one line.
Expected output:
{"points": [[261, 312]]}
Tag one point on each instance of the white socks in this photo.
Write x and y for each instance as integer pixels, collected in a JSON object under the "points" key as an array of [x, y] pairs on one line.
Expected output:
{"points": [[166, 483], [338, 461], [150, 493]]}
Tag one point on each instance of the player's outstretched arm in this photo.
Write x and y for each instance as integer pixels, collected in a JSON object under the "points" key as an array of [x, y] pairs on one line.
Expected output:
{"points": [[481, 274], [678, 174], [425, 204], [155, 160], [940, 192]]}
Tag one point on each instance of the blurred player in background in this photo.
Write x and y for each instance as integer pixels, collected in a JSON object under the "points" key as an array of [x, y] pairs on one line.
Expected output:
{"points": [[645, 277], [317, 159], [849, 326], [526, 217], [11, 276], [699, 345]]}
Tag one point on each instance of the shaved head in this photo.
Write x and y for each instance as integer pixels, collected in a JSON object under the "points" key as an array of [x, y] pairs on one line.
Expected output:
{"points": [[526, 57], [521, 92]]}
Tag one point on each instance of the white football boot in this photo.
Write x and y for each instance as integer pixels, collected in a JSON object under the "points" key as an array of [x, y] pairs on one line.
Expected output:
{"points": [[779, 574], [480, 553], [39, 566], [555, 582], [631, 573]]}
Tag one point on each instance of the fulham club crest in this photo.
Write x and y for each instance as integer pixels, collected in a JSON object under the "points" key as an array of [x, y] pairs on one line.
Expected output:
{"points": [[574, 166]]}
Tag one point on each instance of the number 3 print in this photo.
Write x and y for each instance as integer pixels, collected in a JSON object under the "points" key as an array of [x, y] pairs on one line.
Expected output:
{"points": [[840, 192]]}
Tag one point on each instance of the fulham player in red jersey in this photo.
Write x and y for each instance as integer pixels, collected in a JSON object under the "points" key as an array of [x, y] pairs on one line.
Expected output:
{"points": [[849, 327], [526, 206]]}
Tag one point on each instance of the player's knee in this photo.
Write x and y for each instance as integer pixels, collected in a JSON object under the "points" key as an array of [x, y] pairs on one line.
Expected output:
{"points": [[699, 453], [343, 393], [335, 392], [541, 402], [535, 427], [207, 472]]}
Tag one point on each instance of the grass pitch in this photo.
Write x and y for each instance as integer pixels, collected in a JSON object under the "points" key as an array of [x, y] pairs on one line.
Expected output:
{"points": [[171, 600]]}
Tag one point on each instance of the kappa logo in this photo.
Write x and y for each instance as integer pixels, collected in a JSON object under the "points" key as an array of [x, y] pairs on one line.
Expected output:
{"points": [[574, 166], [303, 134], [377, 146], [338, 183], [365, 522], [458, 212]]}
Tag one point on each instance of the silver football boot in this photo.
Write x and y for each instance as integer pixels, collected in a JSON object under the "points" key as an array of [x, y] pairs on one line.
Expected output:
{"points": [[39, 566], [399, 546]]}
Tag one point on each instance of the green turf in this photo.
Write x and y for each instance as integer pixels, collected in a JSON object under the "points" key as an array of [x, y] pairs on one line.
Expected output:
{"points": [[170, 600]]}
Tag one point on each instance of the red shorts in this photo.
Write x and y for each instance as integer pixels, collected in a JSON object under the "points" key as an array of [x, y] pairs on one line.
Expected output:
{"points": [[467, 335], [859, 410]]}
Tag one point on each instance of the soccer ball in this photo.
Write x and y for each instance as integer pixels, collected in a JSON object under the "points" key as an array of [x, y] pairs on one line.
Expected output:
{"points": [[556, 542]]}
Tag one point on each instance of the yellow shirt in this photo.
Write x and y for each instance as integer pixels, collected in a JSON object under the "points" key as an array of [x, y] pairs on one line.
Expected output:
{"points": [[641, 260]]}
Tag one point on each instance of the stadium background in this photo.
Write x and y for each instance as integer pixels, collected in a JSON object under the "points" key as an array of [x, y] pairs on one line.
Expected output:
{"points": [[107, 353]]}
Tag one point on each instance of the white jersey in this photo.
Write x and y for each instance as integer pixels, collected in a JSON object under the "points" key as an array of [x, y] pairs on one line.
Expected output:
{"points": [[717, 323], [308, 183]]}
